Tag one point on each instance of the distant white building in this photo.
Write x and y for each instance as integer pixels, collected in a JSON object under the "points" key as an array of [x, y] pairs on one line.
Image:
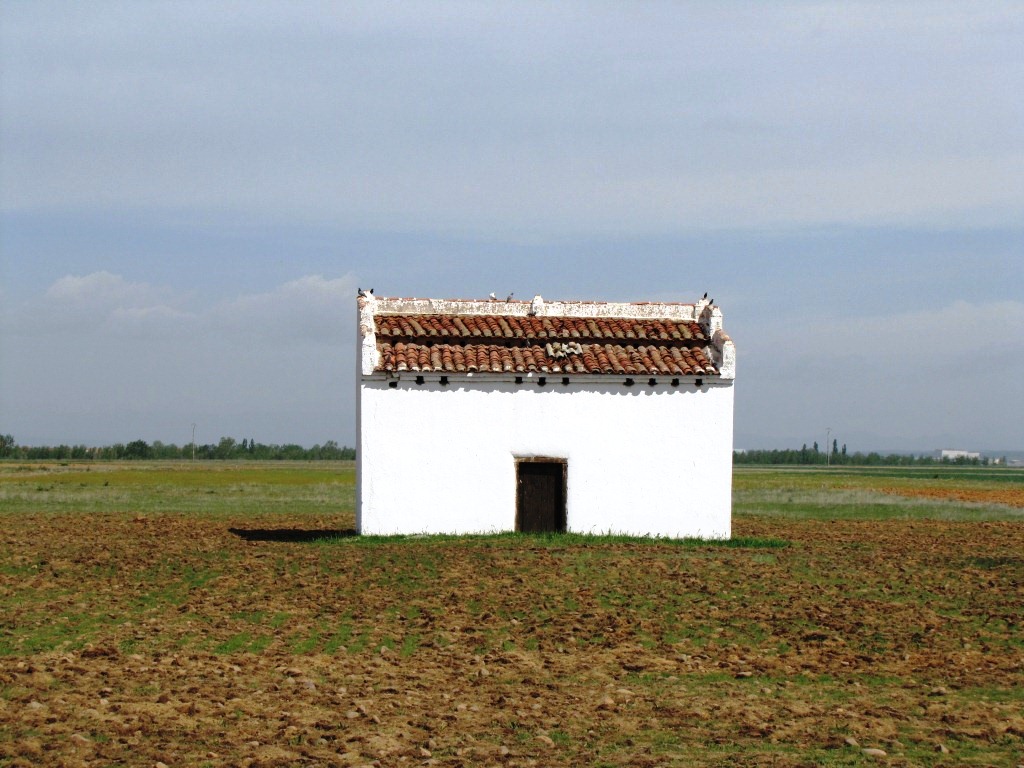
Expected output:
{"points": [[954, 455], [486, 416]]}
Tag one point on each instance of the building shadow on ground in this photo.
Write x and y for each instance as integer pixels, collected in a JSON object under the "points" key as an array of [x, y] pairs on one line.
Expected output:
{"points": [[292, 535]]}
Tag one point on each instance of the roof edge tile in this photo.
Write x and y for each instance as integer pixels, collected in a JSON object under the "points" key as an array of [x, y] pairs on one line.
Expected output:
{"points": [[546, 308]]}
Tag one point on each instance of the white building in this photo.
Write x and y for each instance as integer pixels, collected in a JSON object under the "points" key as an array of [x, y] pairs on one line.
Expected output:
{"points": [[956, 454], [487, 416]]}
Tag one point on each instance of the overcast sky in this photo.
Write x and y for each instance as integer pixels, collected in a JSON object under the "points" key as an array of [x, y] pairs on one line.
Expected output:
{"points": [[190, 194]]}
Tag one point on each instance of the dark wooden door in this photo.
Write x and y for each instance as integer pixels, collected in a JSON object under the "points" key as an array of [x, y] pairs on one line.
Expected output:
{"points": [[540, 496]]}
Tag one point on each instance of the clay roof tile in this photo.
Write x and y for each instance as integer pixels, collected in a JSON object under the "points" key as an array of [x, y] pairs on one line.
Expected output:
{"points": [[516, 343]]}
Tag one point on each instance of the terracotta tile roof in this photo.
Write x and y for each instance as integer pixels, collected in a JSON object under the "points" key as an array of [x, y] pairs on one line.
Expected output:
{"points": [[448, 343], [512, 327]]}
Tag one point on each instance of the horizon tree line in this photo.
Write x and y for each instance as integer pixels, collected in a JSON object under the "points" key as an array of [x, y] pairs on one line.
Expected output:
{"points": [[840, 457], [226, 448]]}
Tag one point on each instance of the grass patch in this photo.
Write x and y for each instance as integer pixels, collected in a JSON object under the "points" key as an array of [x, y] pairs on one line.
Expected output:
{"points": [[554, 540], [244, 642]]}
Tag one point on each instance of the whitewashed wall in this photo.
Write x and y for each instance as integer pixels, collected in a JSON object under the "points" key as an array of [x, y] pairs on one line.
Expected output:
{"points": [[641, 460]]}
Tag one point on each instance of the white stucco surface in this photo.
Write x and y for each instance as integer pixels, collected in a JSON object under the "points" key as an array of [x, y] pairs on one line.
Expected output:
{"points": [[641, 460]]}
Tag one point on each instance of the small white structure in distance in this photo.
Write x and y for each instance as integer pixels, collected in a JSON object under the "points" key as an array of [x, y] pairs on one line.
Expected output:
{"points": [[488, 416], [954, 455]]}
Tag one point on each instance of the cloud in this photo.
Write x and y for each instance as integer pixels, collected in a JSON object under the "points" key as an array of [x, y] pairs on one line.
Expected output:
{"points": [[78, 304], [104, 357], [93, 288], [309, 309], [101, 291]]}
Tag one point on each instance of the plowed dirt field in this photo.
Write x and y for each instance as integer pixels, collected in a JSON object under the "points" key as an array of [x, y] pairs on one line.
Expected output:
{"points": [[141, 639], [1011, 497]]}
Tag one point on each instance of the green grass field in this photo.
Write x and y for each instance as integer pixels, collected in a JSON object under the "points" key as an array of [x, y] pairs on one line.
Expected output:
{"points": [[226, 489], [860, 493], [223, 614], [206, 490]]}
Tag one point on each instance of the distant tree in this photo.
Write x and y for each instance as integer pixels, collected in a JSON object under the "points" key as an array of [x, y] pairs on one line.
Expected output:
{"points": [[225, 448], [137, 449], [167, 451], [292, 451], [7, 445]]}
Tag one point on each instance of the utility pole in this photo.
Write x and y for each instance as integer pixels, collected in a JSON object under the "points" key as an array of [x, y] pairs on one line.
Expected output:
{"points": [[193, 441], [828, 446]]}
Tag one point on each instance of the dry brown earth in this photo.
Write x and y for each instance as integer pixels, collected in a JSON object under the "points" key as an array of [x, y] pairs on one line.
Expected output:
{"points": [[188, 644], [1012, 497]]}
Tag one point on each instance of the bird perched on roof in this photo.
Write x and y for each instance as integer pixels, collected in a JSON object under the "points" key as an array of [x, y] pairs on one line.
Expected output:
{"points": [[363, 293], [705, 295], [491, 296], [510, 297]]}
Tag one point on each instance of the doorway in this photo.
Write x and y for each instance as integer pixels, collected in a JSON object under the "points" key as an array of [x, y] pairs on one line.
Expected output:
{"points": [[540, 495]]}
